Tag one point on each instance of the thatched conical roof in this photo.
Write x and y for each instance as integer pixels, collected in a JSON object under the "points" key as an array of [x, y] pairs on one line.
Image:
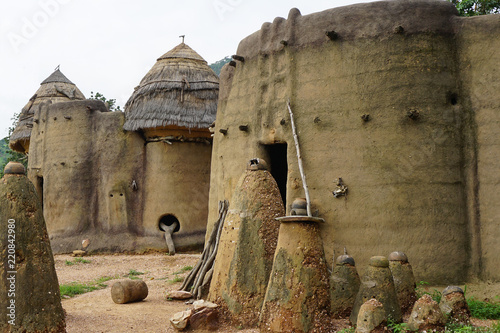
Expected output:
{"points": [[180, 90], [54, 89]]}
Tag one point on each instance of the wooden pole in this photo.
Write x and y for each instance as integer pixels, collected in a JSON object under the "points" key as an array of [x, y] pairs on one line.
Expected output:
{"points": [[299, 158]]}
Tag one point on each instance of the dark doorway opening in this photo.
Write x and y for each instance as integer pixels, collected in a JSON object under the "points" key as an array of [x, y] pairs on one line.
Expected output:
{"points": [[278, 164], [168, 220], [39, 188]]}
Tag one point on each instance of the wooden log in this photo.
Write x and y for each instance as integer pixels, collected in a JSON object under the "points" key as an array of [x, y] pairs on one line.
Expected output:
{"points": [[299, 158], [128, 291]]}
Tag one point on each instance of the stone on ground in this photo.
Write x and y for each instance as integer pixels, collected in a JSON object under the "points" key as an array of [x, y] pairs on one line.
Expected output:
{"points": [[371, 317], [454, 305], [426, 315], [180, 320]]}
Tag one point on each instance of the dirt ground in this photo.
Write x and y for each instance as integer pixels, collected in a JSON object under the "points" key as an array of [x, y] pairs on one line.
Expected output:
{"points": [[96, 312]]}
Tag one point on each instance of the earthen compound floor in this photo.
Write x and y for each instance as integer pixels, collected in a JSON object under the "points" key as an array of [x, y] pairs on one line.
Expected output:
{"points": [[96, 312]]}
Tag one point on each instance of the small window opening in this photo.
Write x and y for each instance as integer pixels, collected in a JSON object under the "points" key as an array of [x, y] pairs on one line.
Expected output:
{"points": [[168, 220]]}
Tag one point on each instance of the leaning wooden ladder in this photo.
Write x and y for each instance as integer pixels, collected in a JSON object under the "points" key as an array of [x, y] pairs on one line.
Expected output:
{"points": [[201, 275]]}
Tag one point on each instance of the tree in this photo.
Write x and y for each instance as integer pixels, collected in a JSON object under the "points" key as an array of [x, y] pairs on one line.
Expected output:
{"points": [[9, 154], [217, 66], [111, 102], [477, 7]]}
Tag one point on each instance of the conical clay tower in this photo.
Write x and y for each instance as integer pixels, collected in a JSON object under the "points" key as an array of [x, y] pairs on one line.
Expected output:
{"points": [[29, 290]]}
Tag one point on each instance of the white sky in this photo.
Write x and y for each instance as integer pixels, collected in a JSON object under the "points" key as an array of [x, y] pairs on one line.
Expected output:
{"points": [[109, 45]]}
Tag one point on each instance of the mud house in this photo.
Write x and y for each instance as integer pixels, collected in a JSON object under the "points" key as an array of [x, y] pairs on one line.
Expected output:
{"points": [[120, 179], [399, 100]]}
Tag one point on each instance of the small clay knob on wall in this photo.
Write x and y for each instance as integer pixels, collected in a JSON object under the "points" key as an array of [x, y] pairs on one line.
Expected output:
{"points": [[128, 291]]}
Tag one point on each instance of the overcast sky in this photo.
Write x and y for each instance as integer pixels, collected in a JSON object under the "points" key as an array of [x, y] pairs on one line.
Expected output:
{"points": [[109, 45]]}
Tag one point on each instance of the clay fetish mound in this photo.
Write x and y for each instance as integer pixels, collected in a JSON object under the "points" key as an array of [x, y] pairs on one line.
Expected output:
{"points": [[297, 297], [248, 241], [28, 280], [344, 286], [404, 280], [454, 305], [129, 291], [377, 282]]}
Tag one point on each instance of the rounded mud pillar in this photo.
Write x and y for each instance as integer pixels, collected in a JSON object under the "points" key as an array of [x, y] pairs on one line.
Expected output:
{"points": [[247, 244], [404, 281], [344, 286], [378, 283], [29, 291], [297, 297]]}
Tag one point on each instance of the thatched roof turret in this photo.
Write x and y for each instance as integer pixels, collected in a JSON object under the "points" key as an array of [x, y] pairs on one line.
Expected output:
{"points": [[54, 89], [180, 91]]}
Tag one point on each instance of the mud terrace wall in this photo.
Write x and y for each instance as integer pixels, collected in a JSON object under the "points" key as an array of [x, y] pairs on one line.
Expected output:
{"points": [[427, 184]]}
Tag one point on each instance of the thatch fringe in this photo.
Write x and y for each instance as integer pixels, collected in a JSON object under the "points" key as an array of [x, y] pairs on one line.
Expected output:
{"points": [[176, 91], [54, 89]]}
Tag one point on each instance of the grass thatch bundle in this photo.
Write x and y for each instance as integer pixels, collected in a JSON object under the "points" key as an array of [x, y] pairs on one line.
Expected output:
{"points": [[179, 90], [54, 89]]}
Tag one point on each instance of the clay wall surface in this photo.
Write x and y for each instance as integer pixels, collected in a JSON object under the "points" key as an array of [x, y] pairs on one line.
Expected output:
{"points": [[409, 189], [87, 163], [479, 43], [177, 183]]}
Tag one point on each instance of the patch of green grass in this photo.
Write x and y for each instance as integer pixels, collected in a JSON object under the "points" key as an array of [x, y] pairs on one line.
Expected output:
{"points": [[457, 328], [77, 260], [397, 327], [176, 279], [184, 269], [133, 272], [347, 330], [483, 310], [435, 294], [82, 261], [73, 289], [76, 288]]}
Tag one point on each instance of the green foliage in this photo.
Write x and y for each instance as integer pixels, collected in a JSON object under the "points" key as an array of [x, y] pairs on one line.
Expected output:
{"points": [[397, 327], [69, 263], [457, 328], [7, 154], [217, 66], [483, 310], [476, 7], [111, 102], [435, 294]]}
